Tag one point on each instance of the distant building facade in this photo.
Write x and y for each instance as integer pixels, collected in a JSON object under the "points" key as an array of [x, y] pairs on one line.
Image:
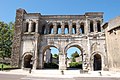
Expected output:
{"points": [[35, 33]]}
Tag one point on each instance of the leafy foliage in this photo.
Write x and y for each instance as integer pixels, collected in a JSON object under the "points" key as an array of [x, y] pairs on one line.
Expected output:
{"points": [[55, 56], [73, 59], [74, 55], [75, 65], [6, 36]]}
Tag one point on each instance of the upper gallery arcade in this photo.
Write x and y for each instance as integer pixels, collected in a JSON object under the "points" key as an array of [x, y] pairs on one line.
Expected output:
{"points": [[63, 24]]}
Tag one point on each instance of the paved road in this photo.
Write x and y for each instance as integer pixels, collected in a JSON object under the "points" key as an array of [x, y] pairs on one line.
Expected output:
{"points": [[25, 77]]}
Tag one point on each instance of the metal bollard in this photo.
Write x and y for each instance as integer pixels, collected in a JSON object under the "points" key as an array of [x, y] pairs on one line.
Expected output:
{"points": [[100, 73], [30, 70], [62, 72]]}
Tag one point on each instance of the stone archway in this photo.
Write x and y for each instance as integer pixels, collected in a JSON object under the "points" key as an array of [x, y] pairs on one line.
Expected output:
{"points": [[97, 64], [48, 59], [77, 45], [96, 60], [28, 61]]}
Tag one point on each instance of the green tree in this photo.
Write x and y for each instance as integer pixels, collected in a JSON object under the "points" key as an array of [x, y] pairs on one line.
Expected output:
{"points": [[74, 55], [56, 56], [6, 36], [73, 59]]}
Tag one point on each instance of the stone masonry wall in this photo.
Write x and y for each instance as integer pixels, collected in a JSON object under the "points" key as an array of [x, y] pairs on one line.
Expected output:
{"points": [[15, 57]]}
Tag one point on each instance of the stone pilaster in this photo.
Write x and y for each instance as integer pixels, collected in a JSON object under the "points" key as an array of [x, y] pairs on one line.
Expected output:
{"points": [[87, 26], [41, 64], [30, 26], [62, 61], [37, 24], [63, 28], [88, 53], [78, 28], [35, 60], [95, 26], [70, 27], [55, 28]]}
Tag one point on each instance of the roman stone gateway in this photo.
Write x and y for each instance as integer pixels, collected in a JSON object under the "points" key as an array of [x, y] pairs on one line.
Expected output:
{"points": [[35, 33]]}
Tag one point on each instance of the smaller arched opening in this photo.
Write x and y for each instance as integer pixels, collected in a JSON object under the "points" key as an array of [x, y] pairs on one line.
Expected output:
{"points": [[28, 61], [33, 27], [26, 27], [91, 26], [74, 28], [97, 64], [66, 29], [59, 29], [98, 26], [51, 29], [51, 57], [82, 28]]}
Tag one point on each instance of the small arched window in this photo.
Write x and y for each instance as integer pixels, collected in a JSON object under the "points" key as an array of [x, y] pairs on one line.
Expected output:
{"points": [[26, 27], [59, 29], [74, 28], [91, 26], [82, 28], [98, 26], [51, 29], [33, 27], [66, 29]]}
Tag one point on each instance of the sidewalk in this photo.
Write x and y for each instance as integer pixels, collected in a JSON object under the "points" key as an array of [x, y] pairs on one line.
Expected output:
{"points": [[59, 74]]}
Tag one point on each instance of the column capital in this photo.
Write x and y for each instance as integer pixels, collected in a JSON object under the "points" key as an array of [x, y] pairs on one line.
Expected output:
{"points": [[70, 23], [62, 23], [54, 23]]}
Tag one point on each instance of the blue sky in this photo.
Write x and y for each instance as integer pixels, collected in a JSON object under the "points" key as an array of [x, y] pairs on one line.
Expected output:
{"points": [[70, 51], [111, 8]]}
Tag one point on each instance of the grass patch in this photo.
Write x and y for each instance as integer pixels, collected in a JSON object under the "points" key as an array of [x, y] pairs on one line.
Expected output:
{"points": [[5, 66]]}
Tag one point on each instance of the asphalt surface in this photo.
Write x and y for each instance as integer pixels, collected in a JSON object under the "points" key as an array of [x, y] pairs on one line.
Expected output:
{"points": [[28, 77]]}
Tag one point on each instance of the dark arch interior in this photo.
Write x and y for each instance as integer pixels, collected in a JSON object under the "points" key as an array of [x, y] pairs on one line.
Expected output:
{"points": [[98, 26], [82, 28], [91, 26], [27, 26], [97, 62], [28, 61], [33, 26]]}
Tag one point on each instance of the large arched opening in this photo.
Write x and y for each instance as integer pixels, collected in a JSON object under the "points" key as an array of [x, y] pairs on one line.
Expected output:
{"points": [[97, 65], [28, 61], [51, 57], [74, 54]]}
